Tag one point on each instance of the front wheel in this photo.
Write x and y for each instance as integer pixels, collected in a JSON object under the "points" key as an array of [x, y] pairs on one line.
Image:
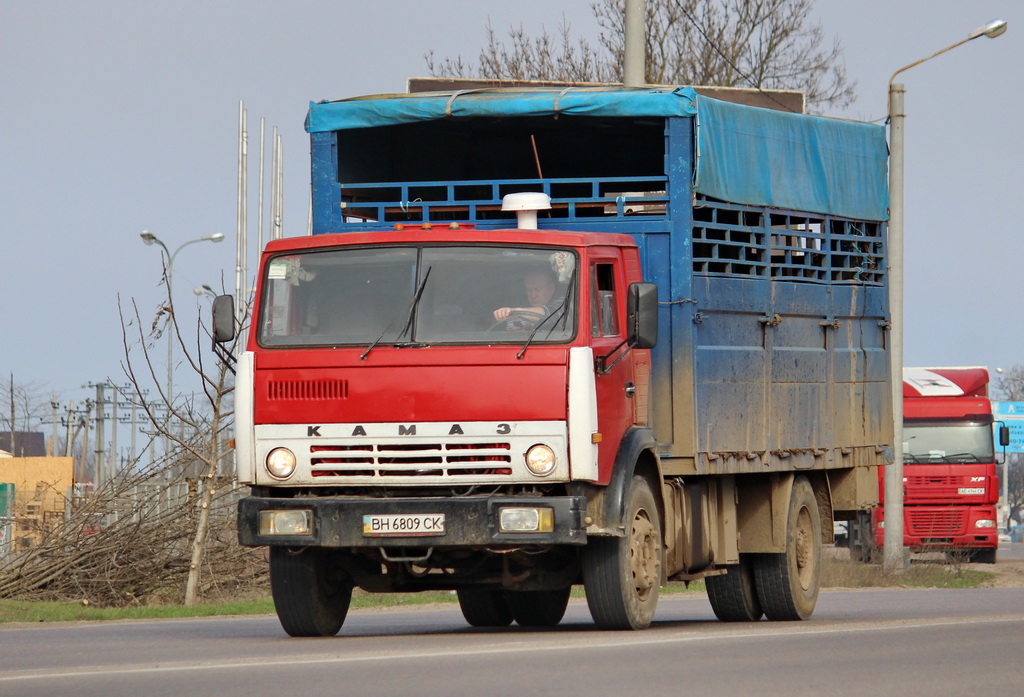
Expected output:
{"points": [[787, 583], [484, 607], [983, 556], [538, 608], [311, 590], [622, 575]]}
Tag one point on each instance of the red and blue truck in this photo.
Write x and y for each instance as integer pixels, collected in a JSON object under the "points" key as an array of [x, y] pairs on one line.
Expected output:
{"points": [[698, 392], [950, 485]]}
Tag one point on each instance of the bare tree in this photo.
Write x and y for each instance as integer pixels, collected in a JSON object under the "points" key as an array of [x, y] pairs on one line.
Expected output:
{"points": [[758, 44], [186, 419], [554, 57]]}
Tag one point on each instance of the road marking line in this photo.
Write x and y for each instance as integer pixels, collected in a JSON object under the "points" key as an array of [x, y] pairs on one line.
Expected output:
{"points": [[621, 641]]}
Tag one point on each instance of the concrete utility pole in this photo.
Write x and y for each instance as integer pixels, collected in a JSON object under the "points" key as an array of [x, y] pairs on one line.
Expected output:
{"points": [[69, 439], [52, 450], [634, 56], [893, 554], [85, 442]]}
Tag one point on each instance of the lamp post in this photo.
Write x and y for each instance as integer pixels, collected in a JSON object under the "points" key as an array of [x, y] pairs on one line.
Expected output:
{"points": [[892, 555], [149, 238]]}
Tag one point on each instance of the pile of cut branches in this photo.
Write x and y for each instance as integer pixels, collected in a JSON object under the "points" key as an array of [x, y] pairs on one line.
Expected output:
{"points": [[130, 543]]}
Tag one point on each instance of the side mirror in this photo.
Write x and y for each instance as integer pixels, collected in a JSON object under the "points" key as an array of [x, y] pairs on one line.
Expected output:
{"points": [[223, 319], [642, 315], [1004, 436]]}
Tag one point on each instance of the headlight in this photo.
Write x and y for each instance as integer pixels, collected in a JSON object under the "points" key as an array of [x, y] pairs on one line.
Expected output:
{"points": [[985, 524], [540, 459], [288, 522], [516, 519], [280, 463]]}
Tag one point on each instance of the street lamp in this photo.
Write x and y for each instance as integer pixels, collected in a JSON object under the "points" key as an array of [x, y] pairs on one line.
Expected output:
{"points": [[892, 556], [204, 289], [149, 238]]}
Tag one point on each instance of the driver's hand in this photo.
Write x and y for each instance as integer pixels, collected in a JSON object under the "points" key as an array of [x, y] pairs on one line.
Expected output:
{"points": [[502, 313]]}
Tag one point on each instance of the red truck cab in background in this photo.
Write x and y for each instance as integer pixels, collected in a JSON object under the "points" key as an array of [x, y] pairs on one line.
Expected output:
{"points": [[950, 486]]}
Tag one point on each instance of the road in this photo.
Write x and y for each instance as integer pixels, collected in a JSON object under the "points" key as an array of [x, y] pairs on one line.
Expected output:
{"points": [[859, 642]]}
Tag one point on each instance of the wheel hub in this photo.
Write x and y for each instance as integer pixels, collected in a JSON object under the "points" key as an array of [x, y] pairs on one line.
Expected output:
{"points": [[644, 564]]}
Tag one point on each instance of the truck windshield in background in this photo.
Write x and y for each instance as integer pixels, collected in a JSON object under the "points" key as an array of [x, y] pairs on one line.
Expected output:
{"points": [[419, 295], [947, 442]]}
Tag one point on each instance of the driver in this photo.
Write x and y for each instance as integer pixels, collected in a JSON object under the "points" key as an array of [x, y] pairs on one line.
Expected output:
{"points": [[540, 286]]}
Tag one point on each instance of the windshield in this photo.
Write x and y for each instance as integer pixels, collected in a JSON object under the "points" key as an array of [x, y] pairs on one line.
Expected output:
{"points": [[418, 296], [946, 442]]}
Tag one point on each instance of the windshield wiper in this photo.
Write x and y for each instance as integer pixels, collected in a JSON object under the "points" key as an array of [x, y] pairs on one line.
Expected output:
{"points": [[410, 314], [925, 458], [564, 316]]}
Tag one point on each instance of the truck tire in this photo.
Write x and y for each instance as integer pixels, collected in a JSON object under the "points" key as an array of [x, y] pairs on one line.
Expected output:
{"points": [[622, 575], [311, 591], [983, 556], [484, 607], [733, 595], [787, 584], [538, 608]]}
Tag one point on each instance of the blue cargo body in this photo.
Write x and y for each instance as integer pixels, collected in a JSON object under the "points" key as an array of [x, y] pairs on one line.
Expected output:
{"points": [[764, 231]]}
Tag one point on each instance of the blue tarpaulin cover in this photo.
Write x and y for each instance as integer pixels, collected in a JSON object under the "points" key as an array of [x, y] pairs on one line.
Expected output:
{"points": [[803, 163], [745, 154]]}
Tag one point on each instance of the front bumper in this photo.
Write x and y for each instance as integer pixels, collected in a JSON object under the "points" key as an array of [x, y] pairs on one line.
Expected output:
{"points": [[470, 521]]}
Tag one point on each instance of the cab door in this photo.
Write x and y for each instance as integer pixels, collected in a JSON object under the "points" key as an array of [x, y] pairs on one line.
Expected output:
{"points": [[607, 334]]}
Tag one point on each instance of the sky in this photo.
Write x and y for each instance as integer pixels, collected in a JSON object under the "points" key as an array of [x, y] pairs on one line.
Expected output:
{"points": [[120, 116]]}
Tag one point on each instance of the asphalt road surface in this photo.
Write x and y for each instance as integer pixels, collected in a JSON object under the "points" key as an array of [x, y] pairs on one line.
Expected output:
{"points": [[909, 642]]}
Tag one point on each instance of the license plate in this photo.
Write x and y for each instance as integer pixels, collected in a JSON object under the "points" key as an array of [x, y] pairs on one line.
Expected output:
{"points": [[971, 491], [403, 525]]}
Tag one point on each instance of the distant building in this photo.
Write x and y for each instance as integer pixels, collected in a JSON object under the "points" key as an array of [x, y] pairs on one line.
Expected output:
{"points": [[41, 486], [26, 443]]}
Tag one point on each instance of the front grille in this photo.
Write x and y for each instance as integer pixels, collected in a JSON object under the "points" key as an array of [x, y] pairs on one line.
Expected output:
{"points": [[427, 459], [936, 523]]}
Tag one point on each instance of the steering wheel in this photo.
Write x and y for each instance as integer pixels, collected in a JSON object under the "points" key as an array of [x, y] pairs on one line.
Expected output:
{"points": [[531, 317]]}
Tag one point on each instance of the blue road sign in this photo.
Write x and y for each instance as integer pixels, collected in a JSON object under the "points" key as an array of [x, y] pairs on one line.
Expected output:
{"points": [[1011, 414]]}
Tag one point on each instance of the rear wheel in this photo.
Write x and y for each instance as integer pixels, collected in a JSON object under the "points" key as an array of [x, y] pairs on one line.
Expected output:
{"points": [[787, 584], [311, 590], [484, 607], [733, 595], [622, 575], [538, 608]]}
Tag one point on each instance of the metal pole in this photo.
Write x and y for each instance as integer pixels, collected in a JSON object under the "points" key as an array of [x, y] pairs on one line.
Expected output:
{"points": [[259, 225], [633, 57], [170, 330], [240, 212], [892, 553]]}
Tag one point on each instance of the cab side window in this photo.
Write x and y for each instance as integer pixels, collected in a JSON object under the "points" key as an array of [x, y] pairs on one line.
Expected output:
{"points": [[604, 320]]}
